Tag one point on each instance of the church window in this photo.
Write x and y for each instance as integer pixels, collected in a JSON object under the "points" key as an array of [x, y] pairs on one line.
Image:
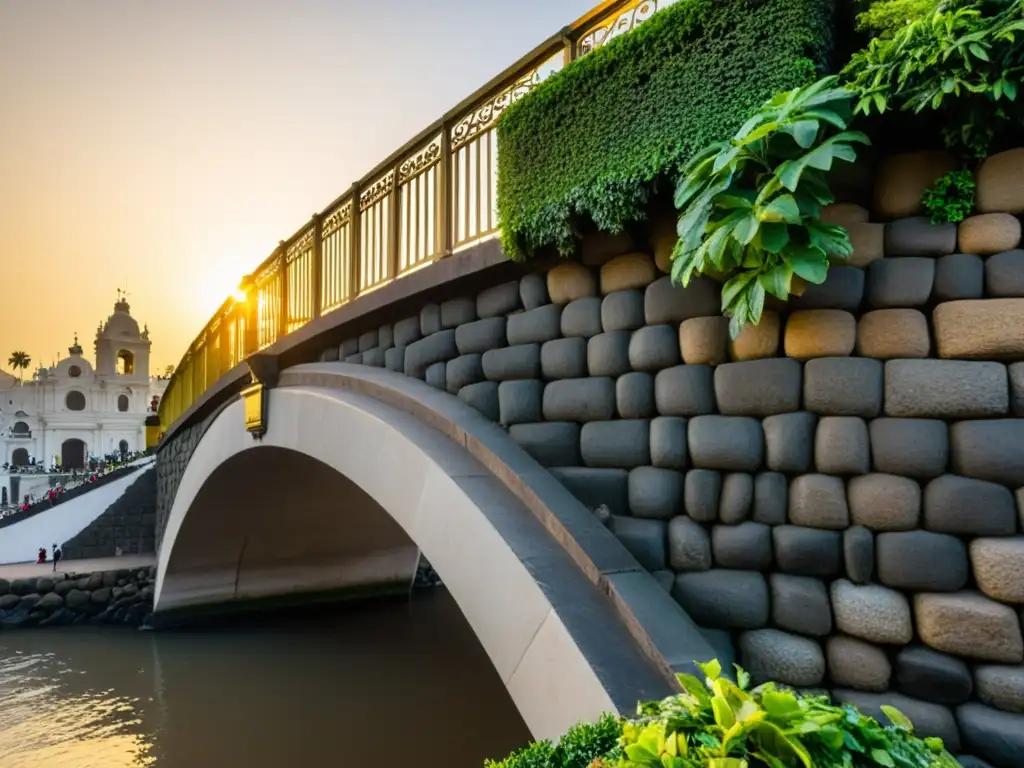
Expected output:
{"points": [[75, 401], [20, 428], [20, 457], [125, 363], [122, 403], [123, 446], [74, 371]]}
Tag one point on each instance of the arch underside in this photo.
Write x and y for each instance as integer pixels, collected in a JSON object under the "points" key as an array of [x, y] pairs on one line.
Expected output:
{"points": [[342, 494]]}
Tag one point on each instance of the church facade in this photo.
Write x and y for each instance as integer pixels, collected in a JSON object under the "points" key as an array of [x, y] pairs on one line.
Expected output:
{"points": [[75, 410]]}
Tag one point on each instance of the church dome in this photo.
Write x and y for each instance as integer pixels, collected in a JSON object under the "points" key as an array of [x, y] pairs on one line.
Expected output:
{"points": [[121, 324], [7, 381], [75, 365]]}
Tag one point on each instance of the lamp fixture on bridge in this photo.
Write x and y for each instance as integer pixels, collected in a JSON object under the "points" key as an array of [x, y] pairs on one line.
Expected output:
{"points": [[264, 370]]}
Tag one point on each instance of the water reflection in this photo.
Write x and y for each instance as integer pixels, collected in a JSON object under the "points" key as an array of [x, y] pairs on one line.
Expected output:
{"points": [[402, 682]]}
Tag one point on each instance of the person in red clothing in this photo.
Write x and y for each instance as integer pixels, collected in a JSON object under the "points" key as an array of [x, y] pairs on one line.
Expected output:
{"points": [[42, 556]]}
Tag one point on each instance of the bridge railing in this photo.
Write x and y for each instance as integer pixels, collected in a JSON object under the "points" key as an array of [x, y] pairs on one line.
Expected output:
{"points": [[433, 197]]}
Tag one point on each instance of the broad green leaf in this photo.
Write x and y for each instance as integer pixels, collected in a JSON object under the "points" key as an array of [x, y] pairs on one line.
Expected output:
{"points": [[755, 306], [828, 116], [897, 718], [809, 263], [774, 236], [830, 238], [712, 669], [831, 736], [694, 687], [724, 716], [804, 132], [781, 705], [776, 281], [724, 159], [978, 50], [638, 754], [742, 677], [746, 228], [782, 208], [730, 291], [731, 199], [788, 173], [882, 757]]}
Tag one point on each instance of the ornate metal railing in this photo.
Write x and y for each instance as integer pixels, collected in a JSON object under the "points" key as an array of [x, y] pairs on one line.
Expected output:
{"points": [[431, 198]]}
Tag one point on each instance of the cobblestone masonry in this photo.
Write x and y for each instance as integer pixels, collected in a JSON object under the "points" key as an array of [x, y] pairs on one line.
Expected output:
{"points": [[128, 523], [841, 488]]}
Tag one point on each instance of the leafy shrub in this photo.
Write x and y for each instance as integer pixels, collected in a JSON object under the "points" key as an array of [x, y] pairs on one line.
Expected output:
{"points": [[749, 207], [591, 141], [964, 63], [716, 723], [950, 198], [885, 17], [578, 748]]}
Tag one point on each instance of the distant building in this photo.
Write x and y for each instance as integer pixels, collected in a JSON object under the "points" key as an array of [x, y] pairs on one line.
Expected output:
{"points": [[73, 410]]}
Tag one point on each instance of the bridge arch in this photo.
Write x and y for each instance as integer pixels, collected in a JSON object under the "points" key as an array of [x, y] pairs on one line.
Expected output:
{"points": [[344, 491]]}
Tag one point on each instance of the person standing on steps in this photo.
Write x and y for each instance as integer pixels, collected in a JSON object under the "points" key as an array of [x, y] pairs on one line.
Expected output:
{"points": [[57, 554]]}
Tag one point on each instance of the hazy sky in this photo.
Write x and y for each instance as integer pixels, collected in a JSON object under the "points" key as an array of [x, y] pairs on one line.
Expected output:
{"points": [[168, 146]]}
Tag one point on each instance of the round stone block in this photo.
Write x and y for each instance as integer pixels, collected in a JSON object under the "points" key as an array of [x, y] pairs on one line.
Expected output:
{"points": [[998, 183], [747, 546], [551, 443], [480, 336], [737, 498], [582, 400], [655, 493], [734, 443], [918, 236], [453, 313], [582, 318], [933, 676], [773, 655], [631, 271], [594, 487], [500, 300], [667, 303], [608, 354], [757, 341], [820, 333], [1004, 275], [800, 604], [645, 539], [818, 501], [662, 239], [771, 498], [946, 389], [991, 449], [518, 362], [852, 663], [998, 686], [564, 359], [570, 281], [969, 624], [534, 326], [859, 554], [789, 441], [723, 599], [329, 355], [759, 387], [968, 507], [903, 282], [999, 568], [871, 613], [654, 348], [986, 328], [622, 444], [901, 180], [992, 734], [668, 443], [916, 448], [928, 719], [988, 233], [685, 390], [634, 395], [702, 491], [843, 386], [704, 340], [959, 276], [922, 561], [893, 333], [533, 291], [884, 502], [622, 311], [599, 248], [520, 402], [689, 546], [868, 241], [808, 551], [842, 289], [844, 214], [842, 446], [436, 376]]}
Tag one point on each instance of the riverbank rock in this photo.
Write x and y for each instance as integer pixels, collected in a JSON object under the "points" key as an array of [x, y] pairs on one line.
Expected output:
{"points": [[51, 601], [77, 599]]}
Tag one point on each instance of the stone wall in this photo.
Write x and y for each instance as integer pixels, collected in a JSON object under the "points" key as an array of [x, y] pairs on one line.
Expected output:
{"points": [[171, 462], [128, 523], [44, 504], [841, 488]]}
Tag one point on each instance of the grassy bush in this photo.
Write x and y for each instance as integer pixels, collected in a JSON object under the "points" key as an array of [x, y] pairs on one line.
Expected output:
{"points": [[591, 141]]}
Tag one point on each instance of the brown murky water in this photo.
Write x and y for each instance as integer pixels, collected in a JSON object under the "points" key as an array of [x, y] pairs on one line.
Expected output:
{"points": [[388, 684]]}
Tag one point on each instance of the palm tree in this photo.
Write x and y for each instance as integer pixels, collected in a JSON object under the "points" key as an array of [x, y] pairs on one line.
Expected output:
{"points": [[19, 361]]}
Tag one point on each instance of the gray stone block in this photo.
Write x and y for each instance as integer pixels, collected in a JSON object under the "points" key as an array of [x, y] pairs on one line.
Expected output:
{"points": [[701, 494], [534, 325], [348, 347], [582, 400], [519, 362], [996, 736], [436, 376], [948, 389], [440, 347], [959, 276], [759, 387], [482, 396], [917, 236], [912, 447], [356, 359], [689, 546], [499, 300], [430, 319], [842, 446], [1016, 371], [843, 386], [789, 441], [933, 676], [519, 402], [747, 546], [970, 761], [368, 341], [928, 719], [608, 354], [654, 348], [582, 317], [385, 337], [800, 604], [723, 599], [842, 289], [859, 554], [808, 551], [921, 561], [818, 501], [533, 291], [771, 498], [871, 613], [726, 442], [552, 444], [668, 443], [989, 450], [773, 655], [634, 395], [594, 487], [969, 507], [855, 664], [900, 282], [666, 303], [998, 686], [394, 359], [685, 390], [884, 502], [622, 444], [564, 359], [1004, 275], [737, 498], [645, 540], [407, 331], [374, 357], [463, 371], [480, 336], [329, 355], [655, 493], [622, 311]]}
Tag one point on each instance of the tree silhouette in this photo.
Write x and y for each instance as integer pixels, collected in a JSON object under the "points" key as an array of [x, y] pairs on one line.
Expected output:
{"points": [[19, 361]]}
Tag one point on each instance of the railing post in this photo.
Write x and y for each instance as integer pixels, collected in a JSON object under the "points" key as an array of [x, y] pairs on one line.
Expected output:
{"points": [[444, 198], [225, 341], [317, 256], [393, 228], [251, 313], [354, 236], [282, 321]]}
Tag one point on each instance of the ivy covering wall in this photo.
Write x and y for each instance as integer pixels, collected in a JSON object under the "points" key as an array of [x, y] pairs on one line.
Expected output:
{"points": [[592, 140]]}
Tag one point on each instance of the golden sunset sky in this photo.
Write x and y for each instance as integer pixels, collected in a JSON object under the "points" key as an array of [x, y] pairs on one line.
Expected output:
{"points": [[167, 146]]}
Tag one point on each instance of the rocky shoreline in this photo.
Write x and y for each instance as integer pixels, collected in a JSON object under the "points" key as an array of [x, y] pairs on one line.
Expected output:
{"points": [[123, 596]]}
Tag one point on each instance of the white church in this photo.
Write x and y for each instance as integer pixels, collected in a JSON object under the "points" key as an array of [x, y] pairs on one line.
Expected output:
{"points": [[74, 411]]}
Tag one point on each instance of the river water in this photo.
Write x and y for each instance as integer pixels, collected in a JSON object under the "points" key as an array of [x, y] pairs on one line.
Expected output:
{"points": [[398, 683]]}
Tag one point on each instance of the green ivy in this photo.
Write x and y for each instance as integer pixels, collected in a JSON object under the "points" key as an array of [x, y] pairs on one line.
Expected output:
{"points": [[590, 142], [578, 748], [950, 198]]}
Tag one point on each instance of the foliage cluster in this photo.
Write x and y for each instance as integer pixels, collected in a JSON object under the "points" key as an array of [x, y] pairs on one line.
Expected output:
{"points": [[716, 723], [580, 745], [950, 198], [885, 17], [592, 141], [750, 206], [963, 62]]}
